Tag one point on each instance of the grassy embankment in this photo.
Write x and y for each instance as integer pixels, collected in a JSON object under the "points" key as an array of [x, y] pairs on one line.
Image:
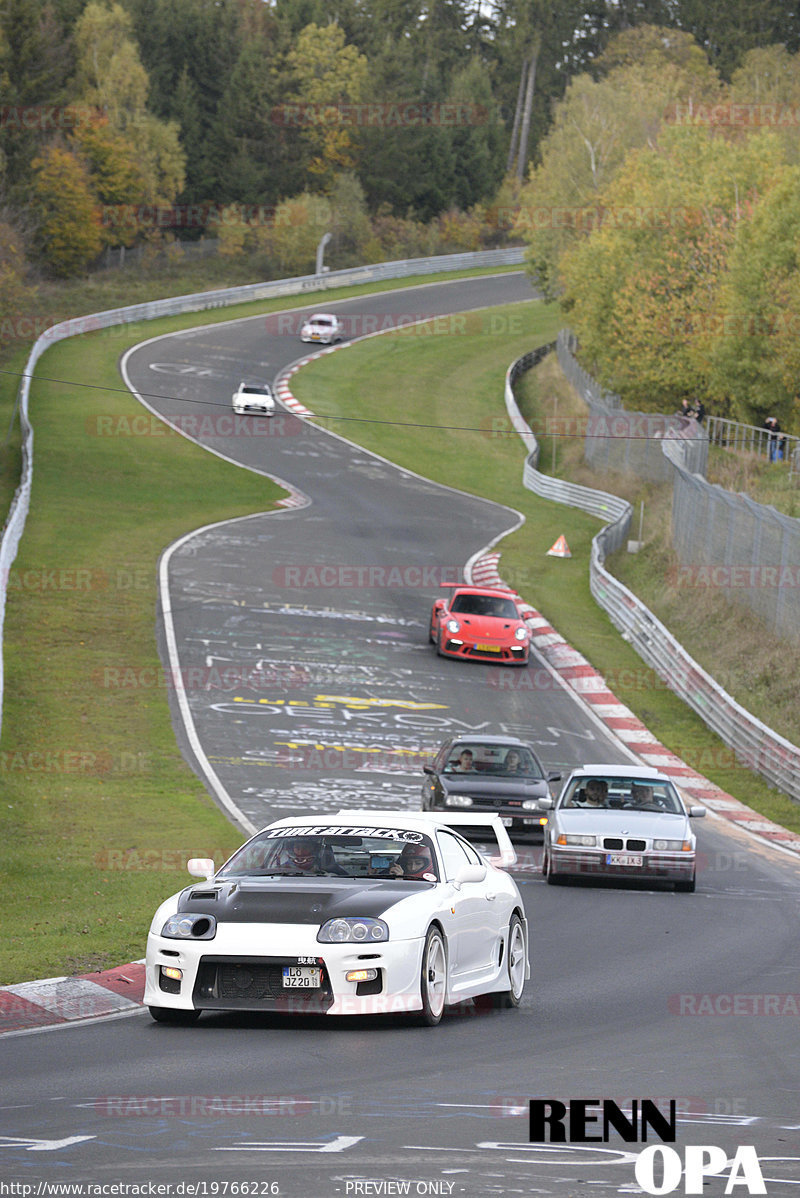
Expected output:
{"points": [[99, 811], [430, 380]]}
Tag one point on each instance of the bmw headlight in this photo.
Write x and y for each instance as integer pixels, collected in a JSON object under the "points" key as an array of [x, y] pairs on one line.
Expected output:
{"points": [[453, 626], [673, 846], [586, 842], [186, 925], [360, 931], [521, 634], [458, 801]]}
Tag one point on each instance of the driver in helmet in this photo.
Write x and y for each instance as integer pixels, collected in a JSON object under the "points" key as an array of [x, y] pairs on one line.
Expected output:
{"points": [[301, 855], [415, 861]]}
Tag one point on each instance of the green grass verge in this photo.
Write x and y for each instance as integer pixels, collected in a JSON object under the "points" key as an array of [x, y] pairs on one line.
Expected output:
{"points": [[99, 811], [456, 378]]}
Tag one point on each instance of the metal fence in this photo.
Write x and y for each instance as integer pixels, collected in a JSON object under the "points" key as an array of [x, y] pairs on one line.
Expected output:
{"points": [[749, 438], [201, 301], [755, 745], [628, 442]]}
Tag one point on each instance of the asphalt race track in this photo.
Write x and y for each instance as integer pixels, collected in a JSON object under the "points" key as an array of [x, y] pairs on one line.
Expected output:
{"points": [[307, 683]]}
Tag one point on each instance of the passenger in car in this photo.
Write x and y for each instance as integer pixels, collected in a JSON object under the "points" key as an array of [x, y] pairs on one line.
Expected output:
{"points": [[594, 794]]}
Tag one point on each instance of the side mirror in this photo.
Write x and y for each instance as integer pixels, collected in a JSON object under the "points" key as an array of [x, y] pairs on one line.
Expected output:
{"points": [[428, 769], [696, 812], [201, 867], [554, 777], [546, 803], [469, 873]]}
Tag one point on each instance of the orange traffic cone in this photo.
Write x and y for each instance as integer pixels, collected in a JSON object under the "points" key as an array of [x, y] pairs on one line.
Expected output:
{"points": [[560, 549]]}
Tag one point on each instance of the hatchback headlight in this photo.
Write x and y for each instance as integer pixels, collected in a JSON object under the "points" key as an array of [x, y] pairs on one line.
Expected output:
{"points": [[361, 931], [673, 846], [186, 925], [458, 801], [453, 626], [521, 634]]}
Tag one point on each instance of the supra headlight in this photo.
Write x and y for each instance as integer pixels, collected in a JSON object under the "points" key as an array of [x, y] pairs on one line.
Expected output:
{"points": [[458, 801], [673, 846], [521, 634], [453, 626], [186, 925], [586, 842], [342, 931]]}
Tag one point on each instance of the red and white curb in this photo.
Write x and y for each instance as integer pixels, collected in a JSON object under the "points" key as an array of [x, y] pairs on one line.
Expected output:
{"points": [[56, 1001], [284, 391], [591, 688]]}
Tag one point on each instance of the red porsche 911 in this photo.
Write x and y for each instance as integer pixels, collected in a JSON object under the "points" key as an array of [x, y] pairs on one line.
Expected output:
{"points": [[481, 624]]}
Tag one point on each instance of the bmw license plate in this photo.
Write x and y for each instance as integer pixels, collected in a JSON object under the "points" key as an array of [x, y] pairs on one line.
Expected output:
{"points": [[623, 859], [302, 977], [488, 648]]}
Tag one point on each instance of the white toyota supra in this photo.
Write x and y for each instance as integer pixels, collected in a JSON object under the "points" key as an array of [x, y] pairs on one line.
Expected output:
{"points": [[361, 912]]}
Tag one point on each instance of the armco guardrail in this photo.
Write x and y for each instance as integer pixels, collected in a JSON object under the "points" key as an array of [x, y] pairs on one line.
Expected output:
{"points": [[756, 746], [199, 302]]}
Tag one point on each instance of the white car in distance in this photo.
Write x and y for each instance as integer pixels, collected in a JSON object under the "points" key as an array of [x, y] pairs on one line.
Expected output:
{"points": [[253, 397], [323, 328]]}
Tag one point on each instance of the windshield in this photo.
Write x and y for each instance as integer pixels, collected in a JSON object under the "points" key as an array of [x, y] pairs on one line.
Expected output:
{"points": [[485, 605], [333, 852], [607, 793], [504, 761]]}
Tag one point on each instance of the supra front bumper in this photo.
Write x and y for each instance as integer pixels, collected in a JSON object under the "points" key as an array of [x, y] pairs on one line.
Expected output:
{"points": [[670, 867], [242, 969]]}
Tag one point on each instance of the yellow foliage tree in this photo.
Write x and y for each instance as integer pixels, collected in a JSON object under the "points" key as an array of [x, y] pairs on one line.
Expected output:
{"points": [[68, 235]]}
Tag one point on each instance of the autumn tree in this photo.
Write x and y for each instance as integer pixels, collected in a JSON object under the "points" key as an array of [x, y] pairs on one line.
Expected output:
{"points": [[642, 289], [594, 128], [755, 357], [112, 79], [68, 235], [329, 81]]}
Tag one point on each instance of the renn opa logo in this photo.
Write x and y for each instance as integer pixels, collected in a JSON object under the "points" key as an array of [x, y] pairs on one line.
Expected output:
{"points": [[659, 1169]]}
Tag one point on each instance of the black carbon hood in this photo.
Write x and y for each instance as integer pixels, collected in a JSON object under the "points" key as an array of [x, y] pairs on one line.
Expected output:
{"points": [[296, 900]]}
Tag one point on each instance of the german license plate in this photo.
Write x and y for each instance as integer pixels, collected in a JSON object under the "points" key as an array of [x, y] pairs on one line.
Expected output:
{"points": [[301, 977], [488, 648], [623, 859]]}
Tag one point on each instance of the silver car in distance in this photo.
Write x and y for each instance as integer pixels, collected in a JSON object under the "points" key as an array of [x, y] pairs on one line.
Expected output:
{"points": [[620, 821]]}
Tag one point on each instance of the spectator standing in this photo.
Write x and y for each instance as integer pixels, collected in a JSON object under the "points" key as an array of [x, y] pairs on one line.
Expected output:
{"points": [[777, 442]]}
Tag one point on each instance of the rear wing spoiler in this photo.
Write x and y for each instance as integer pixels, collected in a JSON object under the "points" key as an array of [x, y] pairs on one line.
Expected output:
{"points": [[491, 824], [461, 820]]}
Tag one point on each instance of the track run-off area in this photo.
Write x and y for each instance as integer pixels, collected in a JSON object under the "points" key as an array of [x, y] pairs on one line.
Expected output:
{"points": [[317, 615]]}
